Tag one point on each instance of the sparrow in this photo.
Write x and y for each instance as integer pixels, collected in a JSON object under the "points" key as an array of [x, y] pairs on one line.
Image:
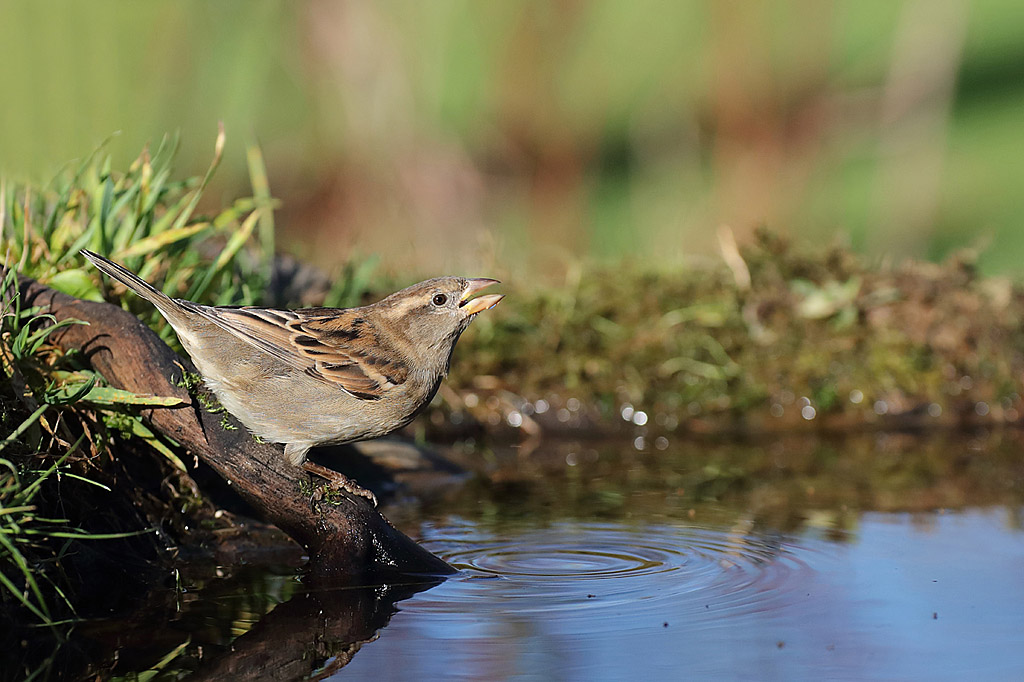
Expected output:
{"points": [[323, 376]]}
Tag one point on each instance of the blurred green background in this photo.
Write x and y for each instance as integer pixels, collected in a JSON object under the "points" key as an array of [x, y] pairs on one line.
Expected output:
{"points": [[518, 138]]}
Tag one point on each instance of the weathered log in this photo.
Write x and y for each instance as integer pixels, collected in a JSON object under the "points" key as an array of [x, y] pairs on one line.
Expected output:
{"points": [[345, 536]]}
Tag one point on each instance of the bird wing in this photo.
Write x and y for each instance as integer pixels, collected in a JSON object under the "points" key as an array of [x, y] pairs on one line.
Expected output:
{"points": [[336, 346]]}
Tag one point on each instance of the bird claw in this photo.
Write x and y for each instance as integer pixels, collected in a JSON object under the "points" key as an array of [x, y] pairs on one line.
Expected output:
{"points": [[339, 481]]}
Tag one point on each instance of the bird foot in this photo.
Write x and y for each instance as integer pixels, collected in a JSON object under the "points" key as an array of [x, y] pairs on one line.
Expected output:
{"points": [[338, 480]]}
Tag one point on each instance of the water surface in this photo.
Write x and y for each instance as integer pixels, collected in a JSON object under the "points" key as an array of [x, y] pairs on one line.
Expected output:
{"points": [[882, 557], [905, 597]]}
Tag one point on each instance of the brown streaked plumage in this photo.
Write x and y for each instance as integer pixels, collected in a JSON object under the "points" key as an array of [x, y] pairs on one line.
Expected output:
{"points": [[323, 376]]}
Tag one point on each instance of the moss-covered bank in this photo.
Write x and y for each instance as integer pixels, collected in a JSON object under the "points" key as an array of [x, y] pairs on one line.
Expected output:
{"points": [[784, 339]]}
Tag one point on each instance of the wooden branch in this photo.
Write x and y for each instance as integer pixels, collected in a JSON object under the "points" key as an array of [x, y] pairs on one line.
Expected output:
{"points": [[344, 535]]}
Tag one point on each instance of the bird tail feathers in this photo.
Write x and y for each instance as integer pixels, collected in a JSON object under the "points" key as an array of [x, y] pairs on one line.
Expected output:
{"points": [[128, 278]]}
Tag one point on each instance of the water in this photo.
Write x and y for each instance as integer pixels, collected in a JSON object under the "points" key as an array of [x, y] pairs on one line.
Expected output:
{"points": [[588, 574], [903, 598], [883, 557]]}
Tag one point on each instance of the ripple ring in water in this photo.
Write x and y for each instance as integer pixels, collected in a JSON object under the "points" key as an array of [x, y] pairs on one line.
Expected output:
{"points": [[590, 566]]}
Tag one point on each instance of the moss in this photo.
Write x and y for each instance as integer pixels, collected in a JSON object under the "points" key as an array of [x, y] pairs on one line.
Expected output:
{"points": [[825, 329], [194, 384]]}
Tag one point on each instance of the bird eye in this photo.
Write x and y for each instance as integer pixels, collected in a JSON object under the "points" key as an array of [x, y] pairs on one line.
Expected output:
{"points": [[440, 299]]}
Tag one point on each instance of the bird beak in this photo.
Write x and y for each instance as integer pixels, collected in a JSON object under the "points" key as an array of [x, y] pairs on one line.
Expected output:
{"points": [[482, 303]]}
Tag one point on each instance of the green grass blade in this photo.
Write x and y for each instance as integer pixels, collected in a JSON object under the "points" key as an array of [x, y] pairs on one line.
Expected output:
{"points": [[32, 488], [106, 396], [83, 479], [24, 426], [39, 609], [141, 431], [218, 154], [153, 243], [158, 667], [231, 249], [82, 535], [261, 192]]}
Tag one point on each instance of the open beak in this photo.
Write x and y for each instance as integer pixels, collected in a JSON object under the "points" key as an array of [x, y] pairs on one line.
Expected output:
{"points": [[481, 303]]}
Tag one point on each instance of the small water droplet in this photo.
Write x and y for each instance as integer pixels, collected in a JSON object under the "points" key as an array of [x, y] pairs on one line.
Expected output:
{"points": [[881, 407], [514, 419], [777, 410], [934, 410], [856, 396], [541, 406], [639, 443], [981, 409], [471, 399], [639, 417], [573, 404], [808, 412], [627, 412]]}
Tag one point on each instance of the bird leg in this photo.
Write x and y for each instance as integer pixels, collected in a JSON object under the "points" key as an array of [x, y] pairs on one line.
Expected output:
{"points": [[336, 479]]}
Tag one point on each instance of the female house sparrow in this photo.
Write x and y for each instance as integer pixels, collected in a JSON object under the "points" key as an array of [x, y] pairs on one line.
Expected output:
{"points": [[323, 376]]}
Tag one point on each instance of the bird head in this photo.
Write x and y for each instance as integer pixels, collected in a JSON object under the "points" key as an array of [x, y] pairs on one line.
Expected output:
{"points": [[435, 312]]}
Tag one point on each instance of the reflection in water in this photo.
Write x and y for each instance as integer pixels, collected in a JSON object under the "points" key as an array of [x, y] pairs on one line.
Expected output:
{"points": [[256, 624], [759, 561], [316, 631]]}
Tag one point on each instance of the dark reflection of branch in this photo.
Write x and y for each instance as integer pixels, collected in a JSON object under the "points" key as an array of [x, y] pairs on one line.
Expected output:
{"points": [[312, 635]]}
